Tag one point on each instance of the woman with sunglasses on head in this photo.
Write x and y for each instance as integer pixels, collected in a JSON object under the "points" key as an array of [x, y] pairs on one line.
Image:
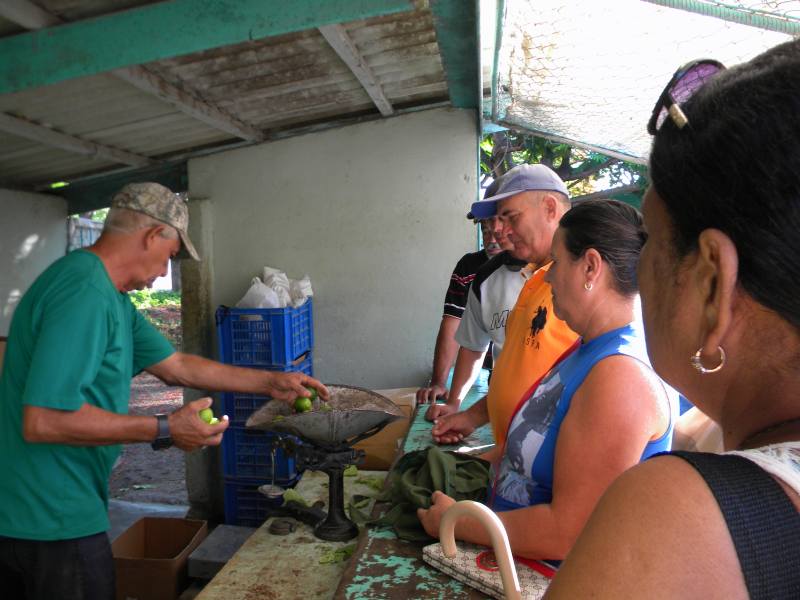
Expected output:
{"points": [[598, 412], [719, 279]]}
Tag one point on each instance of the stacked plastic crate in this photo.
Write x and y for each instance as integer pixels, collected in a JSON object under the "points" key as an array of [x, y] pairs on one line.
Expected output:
{"points": [[276, 339]]}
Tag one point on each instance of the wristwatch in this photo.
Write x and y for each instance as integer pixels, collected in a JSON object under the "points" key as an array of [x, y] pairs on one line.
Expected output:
{"points": [[163, 438]]}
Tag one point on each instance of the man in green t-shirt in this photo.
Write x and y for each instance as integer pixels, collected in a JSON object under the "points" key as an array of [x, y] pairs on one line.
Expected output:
{"points": [[74, 344]]}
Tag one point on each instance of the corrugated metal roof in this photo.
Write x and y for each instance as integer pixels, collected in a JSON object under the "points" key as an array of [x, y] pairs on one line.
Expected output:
{"points": [[278, 83]]}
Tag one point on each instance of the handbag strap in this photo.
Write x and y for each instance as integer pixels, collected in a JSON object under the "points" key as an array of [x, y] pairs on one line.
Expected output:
{"points": [[762, 520]]}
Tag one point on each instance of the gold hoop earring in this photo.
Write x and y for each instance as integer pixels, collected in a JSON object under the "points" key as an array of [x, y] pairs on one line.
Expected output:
{"points": [[697, 363], [588, 286]]}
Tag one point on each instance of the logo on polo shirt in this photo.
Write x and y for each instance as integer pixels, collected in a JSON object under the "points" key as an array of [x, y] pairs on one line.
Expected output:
{"points": [[537, 324]]}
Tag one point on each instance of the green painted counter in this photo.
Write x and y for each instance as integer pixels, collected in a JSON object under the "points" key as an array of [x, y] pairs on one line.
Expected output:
{"points": [[419, 434], [286, 567]]}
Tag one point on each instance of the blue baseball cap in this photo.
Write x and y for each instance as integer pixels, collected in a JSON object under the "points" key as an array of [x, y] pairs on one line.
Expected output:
{"points": [[522, 178]]}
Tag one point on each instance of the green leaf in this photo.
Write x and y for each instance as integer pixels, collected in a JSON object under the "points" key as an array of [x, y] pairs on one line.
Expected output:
{"points": [[337, 555]]}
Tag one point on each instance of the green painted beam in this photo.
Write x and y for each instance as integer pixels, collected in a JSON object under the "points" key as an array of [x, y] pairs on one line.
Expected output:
{"points": [[163, 30], [782, 21], [457, 31], [96, 192]]}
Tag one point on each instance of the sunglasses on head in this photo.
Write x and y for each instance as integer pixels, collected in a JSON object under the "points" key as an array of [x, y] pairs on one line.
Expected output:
{"points": [[684, 83]]}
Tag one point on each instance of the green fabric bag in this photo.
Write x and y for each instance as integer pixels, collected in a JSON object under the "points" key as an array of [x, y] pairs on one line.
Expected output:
{"points": [[412, 481]]}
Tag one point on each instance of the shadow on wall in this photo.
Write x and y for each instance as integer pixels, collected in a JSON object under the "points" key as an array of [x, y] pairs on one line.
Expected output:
{"points": [[25, 249], [29, 247], [33, 234]]}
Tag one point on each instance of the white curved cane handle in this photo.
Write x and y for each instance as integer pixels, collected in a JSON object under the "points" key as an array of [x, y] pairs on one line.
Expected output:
{"points": [[497, 533]]}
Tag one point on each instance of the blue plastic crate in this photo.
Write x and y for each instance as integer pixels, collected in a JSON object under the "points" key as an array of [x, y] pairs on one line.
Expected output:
{"points": [[246, 454], [269, 336], [239, 407], [245, 505]]}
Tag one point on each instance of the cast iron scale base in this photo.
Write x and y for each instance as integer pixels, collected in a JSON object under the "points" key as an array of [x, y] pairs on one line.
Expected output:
{"points": [[336, 527], [327, 436]]}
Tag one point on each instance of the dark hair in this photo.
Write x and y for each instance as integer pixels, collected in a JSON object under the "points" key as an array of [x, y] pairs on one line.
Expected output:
{"points": [[612, 228], [736, 167]]}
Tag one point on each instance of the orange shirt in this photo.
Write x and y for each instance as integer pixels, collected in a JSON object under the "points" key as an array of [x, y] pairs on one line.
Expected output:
{"points": [[535, 340]]}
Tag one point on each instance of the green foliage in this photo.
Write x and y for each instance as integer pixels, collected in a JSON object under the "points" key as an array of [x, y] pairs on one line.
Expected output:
{"points": [[154, 298], [583, 171], [100, 215]]}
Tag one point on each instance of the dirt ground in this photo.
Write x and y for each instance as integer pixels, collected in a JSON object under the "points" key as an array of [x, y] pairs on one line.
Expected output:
{"points": [[142, 474]]}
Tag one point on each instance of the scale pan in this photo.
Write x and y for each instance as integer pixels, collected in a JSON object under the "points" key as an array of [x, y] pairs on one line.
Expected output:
{"points": [[350, 413]]}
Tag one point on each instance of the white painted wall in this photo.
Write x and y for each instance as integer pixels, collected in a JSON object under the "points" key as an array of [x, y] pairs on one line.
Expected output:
{"points": [[374, 213], [33, 233]]}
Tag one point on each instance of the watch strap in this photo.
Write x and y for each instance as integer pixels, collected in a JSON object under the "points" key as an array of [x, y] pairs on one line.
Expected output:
{"points": [[163, 438]]}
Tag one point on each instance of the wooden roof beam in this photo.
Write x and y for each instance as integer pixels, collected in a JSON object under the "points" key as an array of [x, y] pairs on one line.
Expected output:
{"points": [[156, 31], [30, 16], [70, 143], [338, 39], [188, 103], [27, 14]]}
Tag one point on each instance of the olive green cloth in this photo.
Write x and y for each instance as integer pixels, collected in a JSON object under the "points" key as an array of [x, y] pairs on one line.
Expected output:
{"points": [[415, 477]]}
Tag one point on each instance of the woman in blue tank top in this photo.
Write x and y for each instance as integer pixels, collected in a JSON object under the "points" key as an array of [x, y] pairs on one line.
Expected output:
{"points": [[596, 413]]}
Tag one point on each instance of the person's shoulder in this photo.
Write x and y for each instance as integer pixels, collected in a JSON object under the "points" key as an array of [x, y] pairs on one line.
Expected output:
{"points": [[71, 274], [668, 497], [70, 262], [624, 351], [651, 486], [470, 262], [77, 261], [504, 260], [660, 534]]}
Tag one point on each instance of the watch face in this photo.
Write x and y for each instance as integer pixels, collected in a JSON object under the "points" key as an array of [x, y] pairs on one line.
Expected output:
{"points": [[163, 439], [162, 443]]}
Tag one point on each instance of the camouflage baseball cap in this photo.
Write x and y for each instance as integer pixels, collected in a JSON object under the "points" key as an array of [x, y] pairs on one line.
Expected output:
{"points": [[159, 202]]}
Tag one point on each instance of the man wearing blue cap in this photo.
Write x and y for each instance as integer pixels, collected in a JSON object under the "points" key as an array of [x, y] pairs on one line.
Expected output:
{"points": [[530, 201], [490, 298]]}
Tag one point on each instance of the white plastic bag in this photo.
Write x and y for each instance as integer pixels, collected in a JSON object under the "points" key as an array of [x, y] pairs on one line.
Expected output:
{"points": [[268, 271], [299, 290], [259, 296], [279, 282], [284, 291]]}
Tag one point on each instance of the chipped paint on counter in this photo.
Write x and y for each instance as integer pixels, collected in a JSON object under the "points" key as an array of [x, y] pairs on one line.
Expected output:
{"points": [[387, 567], [286, 567]]}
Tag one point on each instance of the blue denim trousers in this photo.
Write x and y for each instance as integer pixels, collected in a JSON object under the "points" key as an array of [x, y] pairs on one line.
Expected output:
{"points": [[75, 569]]}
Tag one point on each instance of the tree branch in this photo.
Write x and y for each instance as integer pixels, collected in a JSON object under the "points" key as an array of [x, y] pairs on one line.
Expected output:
{"points": [[592, 170]]}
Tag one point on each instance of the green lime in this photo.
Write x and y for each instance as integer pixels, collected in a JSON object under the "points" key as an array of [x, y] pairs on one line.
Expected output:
{"points": [[302, 405], [312, 393], [206, 414]]}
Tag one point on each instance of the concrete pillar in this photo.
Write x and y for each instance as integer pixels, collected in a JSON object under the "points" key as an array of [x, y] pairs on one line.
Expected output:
{"points": [[204, 482]]}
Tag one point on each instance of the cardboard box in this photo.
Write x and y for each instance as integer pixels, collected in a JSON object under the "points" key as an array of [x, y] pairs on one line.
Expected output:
{"points": [[150, 557], [382, 448]]}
